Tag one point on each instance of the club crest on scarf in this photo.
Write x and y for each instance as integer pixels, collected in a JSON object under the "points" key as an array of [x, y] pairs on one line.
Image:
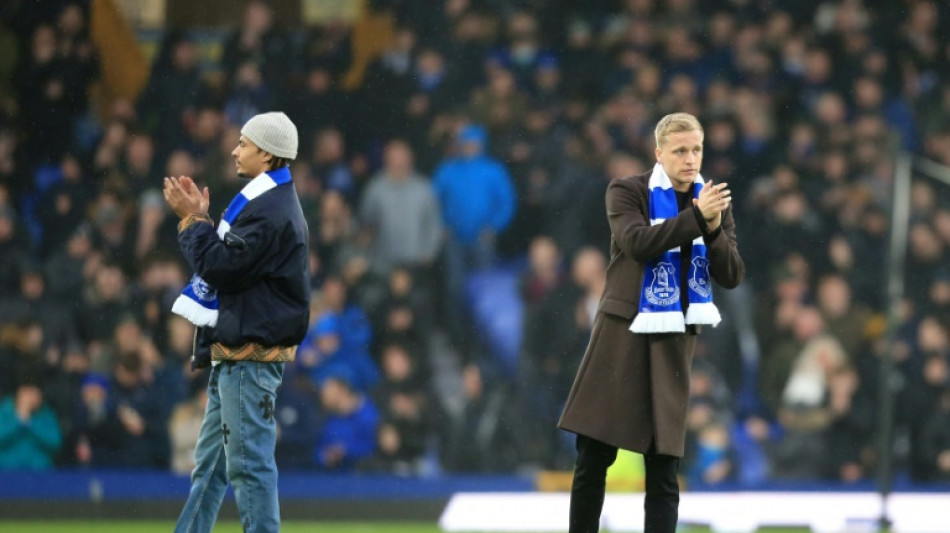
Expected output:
{"points": [[663, 289], [202, 290], [699, 282]]}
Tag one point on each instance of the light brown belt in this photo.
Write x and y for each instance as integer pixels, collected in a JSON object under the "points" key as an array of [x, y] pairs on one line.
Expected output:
{"points": [[253, 352]]}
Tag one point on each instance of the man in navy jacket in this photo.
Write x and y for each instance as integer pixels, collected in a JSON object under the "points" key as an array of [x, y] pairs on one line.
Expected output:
{"points": [[251, 297]]}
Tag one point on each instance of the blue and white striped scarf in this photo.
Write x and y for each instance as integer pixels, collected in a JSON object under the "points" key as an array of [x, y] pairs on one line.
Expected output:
{"points": [[660, 307], [198, 301]]}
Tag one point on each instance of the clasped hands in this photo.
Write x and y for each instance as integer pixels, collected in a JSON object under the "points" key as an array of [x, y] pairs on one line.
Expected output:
{"points": [[713, 200], [184, 197]]}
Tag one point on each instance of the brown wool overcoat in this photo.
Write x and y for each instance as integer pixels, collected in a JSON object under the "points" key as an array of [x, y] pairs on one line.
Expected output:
{"points": [[630, 388]]}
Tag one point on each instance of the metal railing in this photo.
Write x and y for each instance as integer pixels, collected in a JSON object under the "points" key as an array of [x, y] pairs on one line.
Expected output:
{"points": [[906, 167]]}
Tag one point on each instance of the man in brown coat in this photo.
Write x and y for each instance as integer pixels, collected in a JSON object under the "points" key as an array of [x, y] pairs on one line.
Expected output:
{"points": [[670, 232]]}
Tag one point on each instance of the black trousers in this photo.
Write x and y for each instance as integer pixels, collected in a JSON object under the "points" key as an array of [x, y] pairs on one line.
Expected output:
{"points": [[590, 475]]}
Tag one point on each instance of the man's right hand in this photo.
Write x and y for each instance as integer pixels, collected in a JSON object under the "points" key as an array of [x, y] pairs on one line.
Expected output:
{"points": [[184, 197]]}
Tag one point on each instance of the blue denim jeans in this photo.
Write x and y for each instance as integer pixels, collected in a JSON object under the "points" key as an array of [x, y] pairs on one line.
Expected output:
{"points": [[236, 443]]}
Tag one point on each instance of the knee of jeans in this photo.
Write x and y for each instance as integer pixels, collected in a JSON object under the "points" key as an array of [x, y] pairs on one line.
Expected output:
{"points": [[235, 470]]}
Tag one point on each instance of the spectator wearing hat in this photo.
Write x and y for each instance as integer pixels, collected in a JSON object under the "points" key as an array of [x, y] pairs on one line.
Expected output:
{"points": [[94, 421], [478, 202]]}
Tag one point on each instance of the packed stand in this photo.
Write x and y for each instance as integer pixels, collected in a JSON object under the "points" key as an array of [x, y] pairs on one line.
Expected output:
{"points": [[484, 136]]}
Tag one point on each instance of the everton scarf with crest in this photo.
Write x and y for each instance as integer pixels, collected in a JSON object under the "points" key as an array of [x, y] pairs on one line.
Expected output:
{"points": [[198, 301], [661, 310]]}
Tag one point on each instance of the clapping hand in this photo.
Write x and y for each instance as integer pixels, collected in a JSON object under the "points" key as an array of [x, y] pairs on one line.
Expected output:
{"points": [[713, 200], [184, 197]]}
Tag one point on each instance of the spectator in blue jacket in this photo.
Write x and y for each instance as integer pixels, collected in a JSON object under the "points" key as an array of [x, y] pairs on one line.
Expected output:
{"points": [[475, 191], [349, 433], [325, 353], [478, 202], [29, 432]]}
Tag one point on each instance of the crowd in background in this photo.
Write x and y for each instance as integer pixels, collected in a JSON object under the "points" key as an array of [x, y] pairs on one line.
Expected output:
{"points": [[484, 136]]}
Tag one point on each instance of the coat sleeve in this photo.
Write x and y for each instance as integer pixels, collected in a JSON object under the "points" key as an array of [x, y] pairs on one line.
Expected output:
{"points": [[230, 268], [631, 228], [725, 263]]}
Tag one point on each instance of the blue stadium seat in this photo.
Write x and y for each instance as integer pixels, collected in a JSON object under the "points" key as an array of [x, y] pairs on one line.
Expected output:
{"points": [[497, 309]]}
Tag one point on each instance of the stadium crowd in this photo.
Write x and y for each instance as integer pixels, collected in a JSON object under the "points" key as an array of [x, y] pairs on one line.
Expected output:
{"points": [[484, 136]]}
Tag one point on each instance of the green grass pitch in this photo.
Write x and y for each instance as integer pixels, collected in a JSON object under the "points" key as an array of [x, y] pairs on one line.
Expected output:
{"points": [[109, 526]]}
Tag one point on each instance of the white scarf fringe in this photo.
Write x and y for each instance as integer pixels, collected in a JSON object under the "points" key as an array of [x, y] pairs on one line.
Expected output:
{"points": [[665, 322]]}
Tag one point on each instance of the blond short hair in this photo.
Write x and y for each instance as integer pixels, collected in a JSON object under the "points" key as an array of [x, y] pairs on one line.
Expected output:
{"points": [[675, 123]]}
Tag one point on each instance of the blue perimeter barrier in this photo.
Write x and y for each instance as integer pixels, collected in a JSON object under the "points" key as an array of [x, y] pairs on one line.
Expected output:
{"points": [[128, 485], [98, 485], [154, 495]]}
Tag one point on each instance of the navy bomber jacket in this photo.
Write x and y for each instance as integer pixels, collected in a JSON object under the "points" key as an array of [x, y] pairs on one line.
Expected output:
{"points": [[261, 272]]}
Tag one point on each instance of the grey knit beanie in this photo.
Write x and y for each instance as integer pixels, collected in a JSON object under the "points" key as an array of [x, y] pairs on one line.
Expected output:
{"points": [[274, 133]]}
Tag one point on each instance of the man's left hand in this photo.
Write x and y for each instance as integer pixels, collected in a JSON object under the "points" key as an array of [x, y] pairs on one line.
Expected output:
{"points": [[184, 197], [713, 201]]}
